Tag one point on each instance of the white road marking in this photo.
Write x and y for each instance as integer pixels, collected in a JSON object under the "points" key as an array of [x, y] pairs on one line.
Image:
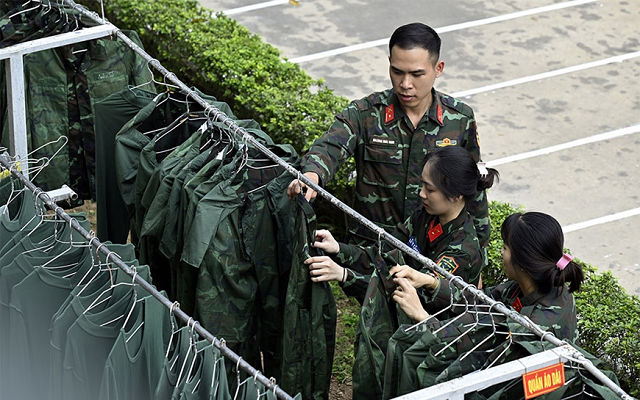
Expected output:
{"points": [[574, 143], [547, 75], [449, 28], [602, 220], [563, 146], [254, 7]]}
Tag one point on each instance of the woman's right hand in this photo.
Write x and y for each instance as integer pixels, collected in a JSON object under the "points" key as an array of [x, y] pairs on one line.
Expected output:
{"points": [[416, 278], [326, 242], [407, 298]]}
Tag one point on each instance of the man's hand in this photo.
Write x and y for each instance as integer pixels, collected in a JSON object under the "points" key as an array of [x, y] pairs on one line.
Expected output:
{"points": [[296, 184], [323, 269], [326, 242]]}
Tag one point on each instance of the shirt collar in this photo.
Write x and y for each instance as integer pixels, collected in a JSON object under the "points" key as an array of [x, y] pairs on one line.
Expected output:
{"points": [[393, 111], [450, 226]]}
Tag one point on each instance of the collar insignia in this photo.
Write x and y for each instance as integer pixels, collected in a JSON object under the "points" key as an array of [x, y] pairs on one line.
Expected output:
{"points": [[517, 305], [389, 114], [434, 232], [440, 113]]}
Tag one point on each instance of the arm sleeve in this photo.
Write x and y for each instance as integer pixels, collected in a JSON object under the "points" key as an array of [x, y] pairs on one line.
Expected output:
{"points": [[331, 150]]}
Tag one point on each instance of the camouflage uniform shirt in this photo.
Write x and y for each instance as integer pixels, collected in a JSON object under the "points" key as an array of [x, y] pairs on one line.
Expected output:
{"points": [[456, 249], [389, 156]]}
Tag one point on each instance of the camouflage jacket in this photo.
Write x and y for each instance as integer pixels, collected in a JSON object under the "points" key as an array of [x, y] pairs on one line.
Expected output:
{"points": [[61, 88], [389, 156], [455, 249], [554, 311]]}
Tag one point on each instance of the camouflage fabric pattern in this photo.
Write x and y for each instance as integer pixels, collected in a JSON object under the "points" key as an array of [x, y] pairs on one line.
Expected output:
{"points": [[433, 351], [379, 318], [457, 250], [389, 156], [576, 381], [310, 316], [60, 92], [554, 311]]}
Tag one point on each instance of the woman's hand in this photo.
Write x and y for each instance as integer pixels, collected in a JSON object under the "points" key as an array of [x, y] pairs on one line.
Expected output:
{"points": [[417, 279], [407, 298], [326, 242], [323, 269]]}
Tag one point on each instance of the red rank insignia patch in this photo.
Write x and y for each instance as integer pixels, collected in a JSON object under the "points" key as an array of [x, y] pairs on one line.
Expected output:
{"points": [[517, 305], [389, 114], [440, 113], [434, 232]]}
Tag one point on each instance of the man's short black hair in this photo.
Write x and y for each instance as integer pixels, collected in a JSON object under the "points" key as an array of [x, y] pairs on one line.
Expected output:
{"points": [[414, 35]]}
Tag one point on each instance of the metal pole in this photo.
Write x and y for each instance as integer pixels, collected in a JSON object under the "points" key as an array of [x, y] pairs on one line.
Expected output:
{"points": [[270, 384]]}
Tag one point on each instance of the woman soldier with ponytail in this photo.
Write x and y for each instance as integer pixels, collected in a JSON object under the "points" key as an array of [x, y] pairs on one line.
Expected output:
{"points": [[441, 229], [541, 277]]}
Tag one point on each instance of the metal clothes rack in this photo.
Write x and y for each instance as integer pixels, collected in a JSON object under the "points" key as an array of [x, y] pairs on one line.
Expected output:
{"points": [[269, 383], [14, 66], [212, 111]]}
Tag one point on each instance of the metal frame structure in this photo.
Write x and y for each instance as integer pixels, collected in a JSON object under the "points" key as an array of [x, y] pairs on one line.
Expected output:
{"points": [[14, 66], [455, 389], [242, 134]]}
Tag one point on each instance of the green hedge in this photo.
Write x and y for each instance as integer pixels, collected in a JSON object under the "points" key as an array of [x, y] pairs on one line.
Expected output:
{"points": [[224, 59]]}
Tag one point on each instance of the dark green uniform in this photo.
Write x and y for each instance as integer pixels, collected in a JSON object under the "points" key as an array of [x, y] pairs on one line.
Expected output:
{"points": [[310, 315], [389, 155], [132, 369], [111, 114], [62, 88], [453, 246], [18, 214], [34, 301], [440, 350]]}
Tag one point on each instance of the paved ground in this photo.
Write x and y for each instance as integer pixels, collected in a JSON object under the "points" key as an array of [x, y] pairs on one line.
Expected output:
{"points": [[555, 87]]}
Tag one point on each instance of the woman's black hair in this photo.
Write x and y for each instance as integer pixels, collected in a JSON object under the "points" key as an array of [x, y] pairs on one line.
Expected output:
{"points": [[455, 173], [536, 243]]}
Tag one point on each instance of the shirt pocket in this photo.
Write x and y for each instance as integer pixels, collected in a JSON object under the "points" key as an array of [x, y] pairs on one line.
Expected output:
{"points": [[103, 83], [382, 165]]}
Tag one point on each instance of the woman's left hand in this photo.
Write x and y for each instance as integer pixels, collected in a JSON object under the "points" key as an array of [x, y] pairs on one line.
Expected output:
{"points": [[323, 269], [407, 298]]}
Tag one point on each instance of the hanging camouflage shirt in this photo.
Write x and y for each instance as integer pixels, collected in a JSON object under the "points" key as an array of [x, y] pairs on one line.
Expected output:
{"points": [[389, 155]]}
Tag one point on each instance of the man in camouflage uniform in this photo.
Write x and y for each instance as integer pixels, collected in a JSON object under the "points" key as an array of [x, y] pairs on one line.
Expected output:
{"points": [[389, 134]]}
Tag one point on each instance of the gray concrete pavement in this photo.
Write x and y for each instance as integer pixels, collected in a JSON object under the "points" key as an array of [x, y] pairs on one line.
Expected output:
{"points": [[577, 184]]}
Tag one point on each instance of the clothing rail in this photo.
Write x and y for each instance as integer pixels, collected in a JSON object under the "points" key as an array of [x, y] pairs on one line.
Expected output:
{"points": [[212, 111], [269, 383]]}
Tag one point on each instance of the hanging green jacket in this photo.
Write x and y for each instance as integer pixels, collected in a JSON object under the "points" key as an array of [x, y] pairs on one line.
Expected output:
{"points": [[61, 89]]}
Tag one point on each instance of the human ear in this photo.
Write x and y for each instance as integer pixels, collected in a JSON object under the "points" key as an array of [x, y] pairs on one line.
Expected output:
{"points": [[439, 68]]}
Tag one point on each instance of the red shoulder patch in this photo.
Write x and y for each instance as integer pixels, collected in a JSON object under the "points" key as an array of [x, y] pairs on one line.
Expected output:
{"points": [[389, 114]]}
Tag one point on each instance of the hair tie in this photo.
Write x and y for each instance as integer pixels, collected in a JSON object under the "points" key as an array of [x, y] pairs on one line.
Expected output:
{"points": [[482, 169], [563, 261]]}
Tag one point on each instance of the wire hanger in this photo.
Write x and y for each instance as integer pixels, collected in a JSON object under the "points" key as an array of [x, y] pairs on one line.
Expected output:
{"points": [[72, 245]]}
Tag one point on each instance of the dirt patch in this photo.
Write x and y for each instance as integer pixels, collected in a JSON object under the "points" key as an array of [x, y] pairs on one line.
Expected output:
{"points": [[339, 391]]}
